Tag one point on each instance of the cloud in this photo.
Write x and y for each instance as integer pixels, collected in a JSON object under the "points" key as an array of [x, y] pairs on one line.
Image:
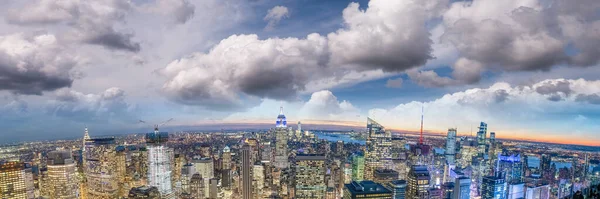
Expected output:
{"points": [[591, 98], [74, 105], [181, 11], [394, 83], [429, 79], [92, 22], [31, 65], [521, 35], [322, 105], [274, 15], [509, 110], [373, 44]]}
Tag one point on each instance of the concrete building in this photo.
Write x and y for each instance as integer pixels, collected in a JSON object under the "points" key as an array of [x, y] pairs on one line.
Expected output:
{"points": [[100, 168], [378, 152], [310, 176], [418, 182]]}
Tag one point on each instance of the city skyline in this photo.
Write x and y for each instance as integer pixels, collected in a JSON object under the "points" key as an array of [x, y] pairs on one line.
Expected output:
{"points": [[530, 69]]}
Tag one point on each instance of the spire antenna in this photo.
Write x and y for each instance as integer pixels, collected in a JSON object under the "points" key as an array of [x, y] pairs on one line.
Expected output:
{"points": [[421, 137]]}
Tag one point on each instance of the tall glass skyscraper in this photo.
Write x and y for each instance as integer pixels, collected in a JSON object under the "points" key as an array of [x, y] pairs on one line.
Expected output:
{"points": [[493, 188], [246, 176], [450, 146], [481, 138], [462, 188], [358, 167], [378, 152]]}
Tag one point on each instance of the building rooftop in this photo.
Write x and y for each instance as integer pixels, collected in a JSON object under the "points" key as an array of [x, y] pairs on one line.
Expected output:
{"points": [[310, 157], [366, 187]]}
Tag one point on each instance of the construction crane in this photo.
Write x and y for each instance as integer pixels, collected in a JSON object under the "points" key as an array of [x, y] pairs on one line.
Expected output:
{"points": [[157, 125]]}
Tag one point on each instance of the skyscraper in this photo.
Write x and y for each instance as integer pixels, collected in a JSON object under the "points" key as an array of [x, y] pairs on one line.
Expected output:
{"points": [[378, 152], [159, 162], [510, 167], [281, 133], [398, 188], [462, 188], [62, 179], [205, 167], [16, 181], [246, 155], [100, 168], [358, 167], [493, 187], [418, 182], [258, 180], [450, 146], [310, 176], [226, 171], [481, 138]]}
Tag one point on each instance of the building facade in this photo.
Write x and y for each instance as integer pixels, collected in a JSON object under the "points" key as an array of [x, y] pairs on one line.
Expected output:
{"points": [[310, 176]]}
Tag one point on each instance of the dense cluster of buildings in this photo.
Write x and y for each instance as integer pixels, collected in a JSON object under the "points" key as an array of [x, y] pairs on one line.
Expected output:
{"points": [[291, 163]]}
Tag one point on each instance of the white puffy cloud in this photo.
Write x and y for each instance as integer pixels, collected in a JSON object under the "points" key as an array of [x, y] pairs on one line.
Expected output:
{"points": [[274, 15], [386, 38], [509, 110], [322, 106], [36, 63]]}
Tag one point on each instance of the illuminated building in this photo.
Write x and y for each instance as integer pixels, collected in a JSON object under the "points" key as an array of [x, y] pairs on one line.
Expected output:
{"points": [[366, 189], [462, 188], [258, 180], [144, 192], [378, 153], [450, 146], [515, 190], [16, 181], [383, 176], [538, 191], [398, 188], [310, 176], [358, 167], [493, 188], [481, 138], [179, 161], [281, 156], [159, 162], [510, 167], [100, 168], [62, 179], [246, 171], [418, 182]]}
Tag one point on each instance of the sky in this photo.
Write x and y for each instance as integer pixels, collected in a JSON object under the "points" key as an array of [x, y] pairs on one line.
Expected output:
{"points": [[528, 68]]}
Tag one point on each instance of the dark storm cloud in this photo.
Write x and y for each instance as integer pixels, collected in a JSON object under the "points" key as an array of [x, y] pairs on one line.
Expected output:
{"points": [[184, 12], [115, 40], [549, 88], [42, 68]]}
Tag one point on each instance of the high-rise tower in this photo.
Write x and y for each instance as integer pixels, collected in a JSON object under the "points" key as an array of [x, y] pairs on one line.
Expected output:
{"points": [[62, 179], [378, 152], [481, 138], [418, 182], [450, 145], [100, 168], [159, 162], [16, 181], [246, 172], [281, 156], [310, 176]]}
